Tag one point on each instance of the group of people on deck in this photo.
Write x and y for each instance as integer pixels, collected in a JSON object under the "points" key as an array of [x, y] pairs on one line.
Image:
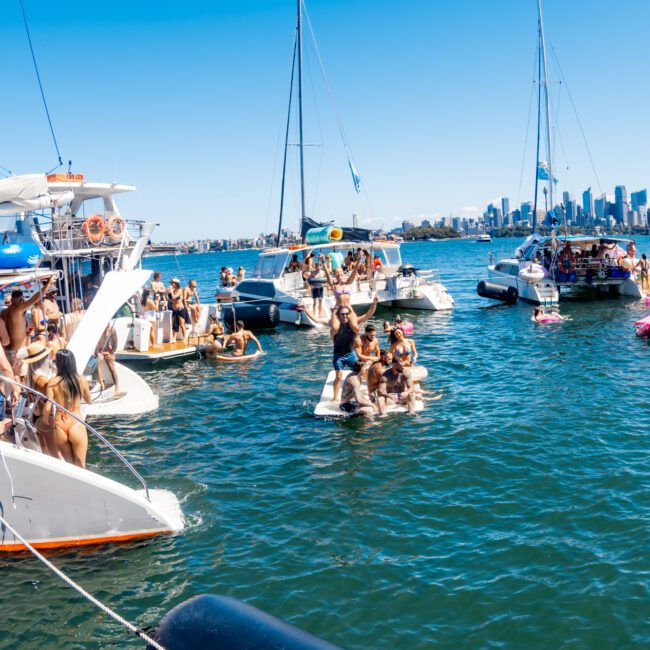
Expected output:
{"points": [[183, 302], [33, 350]]}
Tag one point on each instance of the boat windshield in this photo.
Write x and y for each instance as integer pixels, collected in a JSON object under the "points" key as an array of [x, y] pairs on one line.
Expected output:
{"points": [[392, 255], [271, 266]]}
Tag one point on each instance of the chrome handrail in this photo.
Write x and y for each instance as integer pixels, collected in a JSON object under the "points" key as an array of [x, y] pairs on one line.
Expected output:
{"points": [[78, 419]]}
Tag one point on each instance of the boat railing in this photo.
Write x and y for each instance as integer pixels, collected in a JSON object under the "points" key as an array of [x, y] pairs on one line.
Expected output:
{"points": [[429, 274], [94, 431]]}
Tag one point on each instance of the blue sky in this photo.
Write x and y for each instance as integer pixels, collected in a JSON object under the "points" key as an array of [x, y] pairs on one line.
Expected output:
{"points": [[187, 101]]}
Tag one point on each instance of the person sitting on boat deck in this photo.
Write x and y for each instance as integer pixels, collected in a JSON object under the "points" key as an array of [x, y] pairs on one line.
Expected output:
{"points": [[396, 385], [105, 350], [68, 388], [158, 291], [193, 303], [294, 264], [353, 402], [223, 276], [14, 317], [150, 312], [403, 348], [376, 263], [180, 315], [53, 341], [644, 267], [241, 273], [39, 372], [241, 338], [369, 352], [373, 379]]}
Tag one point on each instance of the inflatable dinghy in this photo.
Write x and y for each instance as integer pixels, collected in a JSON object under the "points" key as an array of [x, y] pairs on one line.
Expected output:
{"points": [[326, 408]]}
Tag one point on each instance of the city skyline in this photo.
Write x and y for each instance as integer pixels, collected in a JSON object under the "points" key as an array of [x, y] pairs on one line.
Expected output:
{"points": [[191, 107]]}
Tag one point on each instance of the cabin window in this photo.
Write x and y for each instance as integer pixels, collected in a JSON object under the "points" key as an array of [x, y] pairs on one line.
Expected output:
{"points": [[280, 263], [268, 262], [392, 256], [256, 288]]}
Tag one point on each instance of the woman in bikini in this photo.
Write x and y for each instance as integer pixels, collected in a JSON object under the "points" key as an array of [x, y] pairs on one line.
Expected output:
{"points": [[403, 348], [193, 303], [342, 290], [150, 309], [68, 388], [180, 315], [39, 373]]}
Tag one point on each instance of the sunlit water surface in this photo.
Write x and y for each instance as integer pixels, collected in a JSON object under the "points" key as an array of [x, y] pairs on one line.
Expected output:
{"points": [[513, 512]]}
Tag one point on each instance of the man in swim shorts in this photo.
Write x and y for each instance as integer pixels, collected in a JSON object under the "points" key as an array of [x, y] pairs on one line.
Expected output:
{"points": [[241, 338], [352, 400], [346, 345], [396, 385]]}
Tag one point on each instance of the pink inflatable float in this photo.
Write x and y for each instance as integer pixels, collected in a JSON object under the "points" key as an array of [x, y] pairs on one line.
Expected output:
{"points": [[643, 327]]}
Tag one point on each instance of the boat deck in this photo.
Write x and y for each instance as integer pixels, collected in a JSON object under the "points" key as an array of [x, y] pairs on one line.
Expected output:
{"points": [[170, 350]]}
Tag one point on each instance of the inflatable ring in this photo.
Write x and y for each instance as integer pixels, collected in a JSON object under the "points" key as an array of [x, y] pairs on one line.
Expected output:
{"points": [[94, 228], [564, 268], [116, 234]]}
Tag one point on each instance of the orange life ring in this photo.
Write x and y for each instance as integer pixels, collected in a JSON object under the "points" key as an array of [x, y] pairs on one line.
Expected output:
{"points": [[113, 233], [94, 228], [564, 268]]}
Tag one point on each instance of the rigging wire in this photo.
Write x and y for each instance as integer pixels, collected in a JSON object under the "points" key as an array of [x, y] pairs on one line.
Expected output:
{"points": [[575, 110], [6, 172], [530, 111], [40, 85], [69, 581], [344, 139]]}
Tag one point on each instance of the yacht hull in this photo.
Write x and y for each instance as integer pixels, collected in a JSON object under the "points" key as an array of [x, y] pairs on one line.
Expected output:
{"points": [[54, 504]]}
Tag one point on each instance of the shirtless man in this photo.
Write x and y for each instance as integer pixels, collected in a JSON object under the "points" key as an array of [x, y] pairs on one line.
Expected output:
{"points": [[158, 291], [369, 346], [396, 385], [375, 373], [192, 302], [106, 350], [14, 317], [240, 338], [352, 400], [52, 313]]}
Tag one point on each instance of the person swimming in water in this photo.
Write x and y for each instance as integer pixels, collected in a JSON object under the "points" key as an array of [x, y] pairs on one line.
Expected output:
{"points": [[240, 339], [68, 389]]}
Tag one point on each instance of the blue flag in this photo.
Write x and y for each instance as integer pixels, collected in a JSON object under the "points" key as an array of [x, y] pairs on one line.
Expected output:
{"points": [[355, 176], [543, 172]]}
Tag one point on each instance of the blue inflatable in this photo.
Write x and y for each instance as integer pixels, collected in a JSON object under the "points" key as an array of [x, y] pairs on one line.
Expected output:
{"points": [[207, 621], [20, 256]]}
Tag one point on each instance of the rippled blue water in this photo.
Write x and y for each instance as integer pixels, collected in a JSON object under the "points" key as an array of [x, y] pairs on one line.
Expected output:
{"points": [[511, 513]]}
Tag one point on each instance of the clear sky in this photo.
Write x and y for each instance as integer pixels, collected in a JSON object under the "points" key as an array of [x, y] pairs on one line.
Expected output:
{"points": [[187, 101]]}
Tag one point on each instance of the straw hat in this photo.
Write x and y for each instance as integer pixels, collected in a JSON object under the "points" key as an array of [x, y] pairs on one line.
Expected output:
{"points": [[35, 352]]}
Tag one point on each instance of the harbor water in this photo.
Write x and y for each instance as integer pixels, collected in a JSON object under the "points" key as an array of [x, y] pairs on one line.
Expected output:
{"points": [[512, 513]]}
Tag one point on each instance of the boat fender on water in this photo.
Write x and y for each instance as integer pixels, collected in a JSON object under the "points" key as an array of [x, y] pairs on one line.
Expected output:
{"points": [[494, 291], [116, 227], [209, 621], [255, 315], [94, 228]]}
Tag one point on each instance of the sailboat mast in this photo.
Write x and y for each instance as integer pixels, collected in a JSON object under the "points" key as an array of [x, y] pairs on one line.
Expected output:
{"points": [[302, 167], [546, 105]]}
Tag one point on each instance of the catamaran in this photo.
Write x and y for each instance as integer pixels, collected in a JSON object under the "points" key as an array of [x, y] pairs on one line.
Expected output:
{"points": [[545, 267], [275, 280]]}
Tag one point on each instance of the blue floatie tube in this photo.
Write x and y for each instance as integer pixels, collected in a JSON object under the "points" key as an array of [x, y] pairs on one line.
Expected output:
{"points": [[324, 235], [20, 256], [337, 260]]}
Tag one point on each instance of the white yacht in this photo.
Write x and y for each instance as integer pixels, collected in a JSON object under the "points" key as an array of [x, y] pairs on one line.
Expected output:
{"points": [[544, 268], [54, 504], [395, 284], [484, 238]]}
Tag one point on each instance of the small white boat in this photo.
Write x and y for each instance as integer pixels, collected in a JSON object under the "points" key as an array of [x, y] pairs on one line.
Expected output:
{"points": [[327, 408], [55, 504], [485, 238]]}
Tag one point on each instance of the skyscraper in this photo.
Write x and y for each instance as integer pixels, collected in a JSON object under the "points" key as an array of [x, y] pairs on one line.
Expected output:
{"points": [[571, 211], [639, 199], [620, 200], [505, 206], [526, 211], [600, 207], [588, 203]]}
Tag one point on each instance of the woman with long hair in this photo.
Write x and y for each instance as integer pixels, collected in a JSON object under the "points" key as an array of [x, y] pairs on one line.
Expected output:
{"points": [[68, 388], [150, 309], [402, 348]]}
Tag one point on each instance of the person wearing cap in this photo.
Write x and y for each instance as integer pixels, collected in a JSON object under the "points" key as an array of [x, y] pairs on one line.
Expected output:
{"points": [[14, 317], [180, 315], [39, 373]]}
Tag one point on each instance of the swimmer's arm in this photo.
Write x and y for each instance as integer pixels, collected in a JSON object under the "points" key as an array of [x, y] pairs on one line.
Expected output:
{"points": [[257, 343]]}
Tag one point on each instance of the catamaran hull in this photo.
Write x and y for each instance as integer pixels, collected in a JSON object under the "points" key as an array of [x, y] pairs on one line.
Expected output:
{"points": [[54, 504]]}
